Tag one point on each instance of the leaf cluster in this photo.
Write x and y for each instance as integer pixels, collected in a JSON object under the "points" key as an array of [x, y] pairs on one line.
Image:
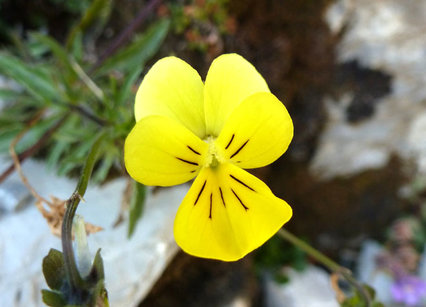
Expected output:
{"points": [[77, 97], [92, 292]]}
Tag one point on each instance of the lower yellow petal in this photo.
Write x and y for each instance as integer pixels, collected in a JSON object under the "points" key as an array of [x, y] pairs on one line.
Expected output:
{"points": [[160, 151], [227, 213], [257, 133]]}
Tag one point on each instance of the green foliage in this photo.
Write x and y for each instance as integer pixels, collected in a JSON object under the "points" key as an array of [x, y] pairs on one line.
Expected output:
{"points": [[137, 203], [275, 254], [53, 80], [141, 50], [201, 22], [357, 300], [91, 293]]}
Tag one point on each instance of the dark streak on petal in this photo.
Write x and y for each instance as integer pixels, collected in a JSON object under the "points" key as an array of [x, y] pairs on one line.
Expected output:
{"points": [[193, 171], [239, 149], [239, 181], [211, 204], [186, 161], [201, 191], [193, 150], [230, 141], [246, 208], [221, 196]]}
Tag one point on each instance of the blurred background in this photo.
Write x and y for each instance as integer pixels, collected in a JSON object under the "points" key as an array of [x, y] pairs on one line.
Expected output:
{"points": [[352, 74]]}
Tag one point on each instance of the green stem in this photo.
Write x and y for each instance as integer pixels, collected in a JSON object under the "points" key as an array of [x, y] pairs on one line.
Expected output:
{"points": [[328, 262], [74, 278]]}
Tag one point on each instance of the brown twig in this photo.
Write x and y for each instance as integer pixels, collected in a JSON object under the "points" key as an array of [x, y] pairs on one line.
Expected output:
{"points": [[125, 34], [56, 212], [16, 162]]}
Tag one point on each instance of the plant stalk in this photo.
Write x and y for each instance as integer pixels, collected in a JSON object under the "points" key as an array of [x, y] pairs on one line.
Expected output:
{"points": [[74, 278]]}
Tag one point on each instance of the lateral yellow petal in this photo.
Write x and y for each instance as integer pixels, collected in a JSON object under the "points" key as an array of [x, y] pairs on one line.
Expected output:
{"points": [[229, 81], [257, 133], [172, 88], [228, 213], [160, 151]]}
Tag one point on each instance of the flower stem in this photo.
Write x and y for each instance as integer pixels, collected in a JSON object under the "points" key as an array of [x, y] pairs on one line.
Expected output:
{"points": [[329, 263], [74, 278]]}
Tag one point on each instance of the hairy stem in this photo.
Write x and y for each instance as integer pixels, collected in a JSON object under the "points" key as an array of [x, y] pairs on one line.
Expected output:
{"points": [[74, 277], [329, 263]]}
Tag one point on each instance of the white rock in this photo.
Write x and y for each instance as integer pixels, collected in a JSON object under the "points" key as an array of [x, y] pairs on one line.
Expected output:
{"points": [[387, 35], [131, 266], [369, 274], [295, 293]]}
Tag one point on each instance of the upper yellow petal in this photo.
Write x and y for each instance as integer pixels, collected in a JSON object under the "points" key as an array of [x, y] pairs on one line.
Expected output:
{"points": [[257, 133], [229, 81], [172, 88], [227, 213], [160, 151]]}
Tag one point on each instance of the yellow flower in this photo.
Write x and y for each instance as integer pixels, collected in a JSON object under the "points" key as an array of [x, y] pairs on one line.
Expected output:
{"points": [[186, 129]]}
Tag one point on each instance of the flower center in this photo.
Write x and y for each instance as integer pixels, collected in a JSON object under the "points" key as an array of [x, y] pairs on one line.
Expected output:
{"points": [[214, 154]]}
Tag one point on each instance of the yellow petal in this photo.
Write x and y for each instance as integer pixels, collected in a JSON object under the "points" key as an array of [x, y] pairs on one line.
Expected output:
{"points": [[229, 81], [227, 213], [160, 151], [172, 88], [257, 133]]}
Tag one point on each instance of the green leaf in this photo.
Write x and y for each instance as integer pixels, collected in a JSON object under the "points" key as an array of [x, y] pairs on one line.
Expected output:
{"points": [[6, 138], [8, 94], [139, 51], [125, 91], [35, 133], [57, 50], [34, 79], [56, 152], [77, 47], [97, 12], [107, 162], [97, 271], [137, 203], [53, 298], [53, 269]]}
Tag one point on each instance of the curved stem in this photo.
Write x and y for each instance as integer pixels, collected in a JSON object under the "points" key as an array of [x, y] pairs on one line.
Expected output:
{"points": [[328, 262], [74, 278]]}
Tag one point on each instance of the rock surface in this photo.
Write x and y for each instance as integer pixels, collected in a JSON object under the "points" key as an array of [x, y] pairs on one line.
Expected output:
{"points": [[131, 266], [387, 36], [311, 288]]}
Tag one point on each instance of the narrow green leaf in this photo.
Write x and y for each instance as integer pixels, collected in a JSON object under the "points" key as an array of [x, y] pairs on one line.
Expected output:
{"points": [[137, 203], [98, 11], [104, 168], [56, 152], [53, 298], [35, 133], [139, 51], [77, 47], [53, 269], [125, 90], [8, 94], [57, 50], [97, 271], [34, 79], [6, 138]]}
